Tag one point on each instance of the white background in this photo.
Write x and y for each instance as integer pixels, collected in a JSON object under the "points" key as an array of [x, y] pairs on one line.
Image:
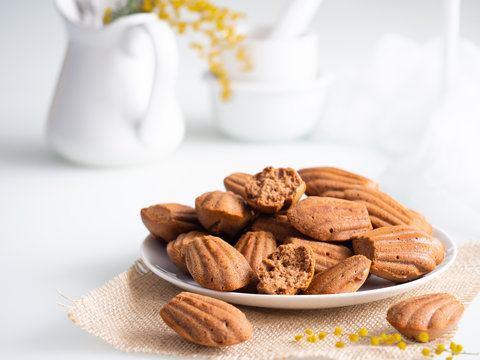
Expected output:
{"points": [[73, 228]]}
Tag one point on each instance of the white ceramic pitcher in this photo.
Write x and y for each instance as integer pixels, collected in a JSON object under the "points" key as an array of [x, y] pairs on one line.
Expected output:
{"points": [[115, 101]]}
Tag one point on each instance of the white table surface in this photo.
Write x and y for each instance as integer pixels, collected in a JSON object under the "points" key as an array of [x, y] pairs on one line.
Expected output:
{"points": [[73, 228]]}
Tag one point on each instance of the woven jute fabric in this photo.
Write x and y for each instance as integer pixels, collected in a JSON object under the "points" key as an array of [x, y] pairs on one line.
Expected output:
{"points": [[125, 313]]}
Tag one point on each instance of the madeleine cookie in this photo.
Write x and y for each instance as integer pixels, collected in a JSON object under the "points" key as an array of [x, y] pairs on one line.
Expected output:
{"points": [[223, 212], [399, 253], [433, 314], [347, 276], [167, 221], [176, 248], [273, 189], [329, 219], [256, 245], [286, 271], [205, 320], [278, 224], [216, 265], [326, 255], [236, 183], [322, 179]]}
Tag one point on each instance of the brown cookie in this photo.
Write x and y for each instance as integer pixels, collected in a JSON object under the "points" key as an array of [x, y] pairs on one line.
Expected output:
{"points": [[329, 219], [256, 245], [383, 209], [215, 264], [286, 271], [278, 224], [167, 221], [176, 248], [326, 255], [322, 179], [273, 189], [236, 183], [347, 276], [433, 314], [399, 253], [223, 212], [205, 320]]}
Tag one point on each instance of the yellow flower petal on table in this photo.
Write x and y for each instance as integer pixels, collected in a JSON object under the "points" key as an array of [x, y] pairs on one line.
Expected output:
{"points": [[374, 340], [308, 331], [353, 337], [362, 332], [339, 344], [423, 337], [298, 337], [425, 352], [338, 331], [402, 345], [322, 335], [440, 349], [397, 337]]}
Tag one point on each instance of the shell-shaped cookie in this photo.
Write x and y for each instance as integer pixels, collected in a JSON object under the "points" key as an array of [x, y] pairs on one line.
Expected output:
{"points": [[383, 209], [256, 245], [272, 190], [236, 183], [321, 179], [347, 276], [286, 271], [223, 212], [176, 248], [205, 320], [217, 265], [278, 224], [434, 314], [326, 255], [399, 253], [329, 219], [167, 221]]}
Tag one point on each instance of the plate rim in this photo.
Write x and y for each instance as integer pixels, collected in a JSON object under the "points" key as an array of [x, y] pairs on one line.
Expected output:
{"points": [[246, 298]]}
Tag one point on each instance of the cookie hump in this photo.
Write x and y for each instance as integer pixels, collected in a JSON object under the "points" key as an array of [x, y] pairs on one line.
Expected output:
{"points": [[216, 265], [176, 248], [434, 314], [236, 183], [345, 277], [322, 179], [167, 221], [329, 219], [255, 246], [205, 320], [399, 253]]}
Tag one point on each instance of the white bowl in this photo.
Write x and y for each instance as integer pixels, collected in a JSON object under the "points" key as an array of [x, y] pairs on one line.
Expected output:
{"points": [[269, 112]]}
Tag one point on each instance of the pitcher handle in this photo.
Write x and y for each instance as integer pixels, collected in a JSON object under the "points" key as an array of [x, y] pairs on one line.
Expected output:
{"points": [[162, 125]]}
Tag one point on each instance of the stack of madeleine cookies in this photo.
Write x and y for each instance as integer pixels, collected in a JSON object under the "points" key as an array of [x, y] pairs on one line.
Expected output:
{"points": [[264, 235]]}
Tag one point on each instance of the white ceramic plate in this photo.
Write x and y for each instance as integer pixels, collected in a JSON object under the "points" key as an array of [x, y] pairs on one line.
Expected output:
{"points": [[155, 256]]}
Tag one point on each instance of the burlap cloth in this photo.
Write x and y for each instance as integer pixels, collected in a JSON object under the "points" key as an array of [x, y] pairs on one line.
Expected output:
{"points": [[124, 313]]}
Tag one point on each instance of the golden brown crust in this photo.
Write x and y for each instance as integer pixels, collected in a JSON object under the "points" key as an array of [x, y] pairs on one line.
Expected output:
{"points": [[278, 224], [223, 212], [383, 209], [434, 314], [236, 183], [167, 221], [176, 248], [399, 253], [286, 271], [326, 255], [273, 190], [347, 276], [205, 320], [322, 179], [255, 246], [215, 264], [329, 219]]}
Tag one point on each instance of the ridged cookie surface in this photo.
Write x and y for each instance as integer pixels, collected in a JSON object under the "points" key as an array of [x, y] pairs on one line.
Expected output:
{"points": [[223, 212], [167, 221], [176, 248], [347, 276], [400, 253], [326, 255], [236, 183], [215, 264], [255, 246], [205, 320], [286, 271], [434, 314], [322, 179], [329, 219], [272, 190]]}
